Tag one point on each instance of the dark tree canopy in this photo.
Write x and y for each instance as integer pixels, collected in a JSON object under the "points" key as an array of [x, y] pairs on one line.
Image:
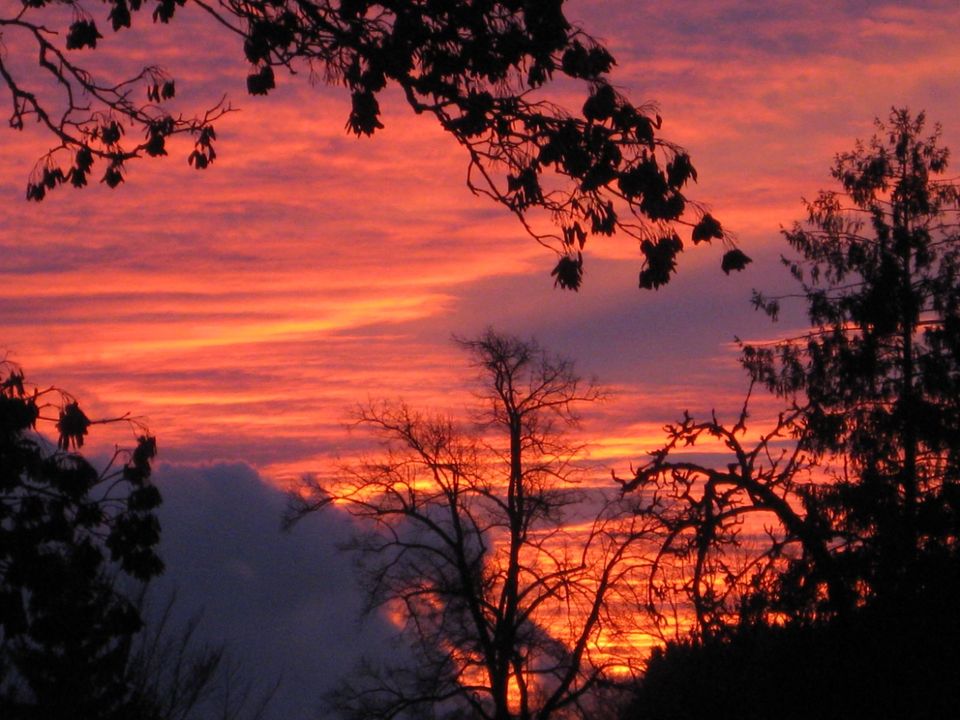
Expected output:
{"points": [[78, 545], [871, 667], [858, 483], [842, 523], [69, 535], [878, 375], [480, 68]]}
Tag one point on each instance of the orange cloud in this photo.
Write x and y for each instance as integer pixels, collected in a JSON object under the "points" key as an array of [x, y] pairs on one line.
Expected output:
{"points": [[243, 309]]}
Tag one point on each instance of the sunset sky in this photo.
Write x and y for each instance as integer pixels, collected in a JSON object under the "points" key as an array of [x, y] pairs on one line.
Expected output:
{"points": [[242, 311]]}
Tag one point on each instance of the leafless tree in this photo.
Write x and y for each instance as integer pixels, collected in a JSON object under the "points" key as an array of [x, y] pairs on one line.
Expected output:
{"points": [[732, 531], [507, 581], [172, 675]]}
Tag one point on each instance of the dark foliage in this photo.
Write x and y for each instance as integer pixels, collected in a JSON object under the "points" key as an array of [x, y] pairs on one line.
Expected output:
{"points": [[871, 666], [69, 534], [878, 375], [843, 605], [479, 68]]}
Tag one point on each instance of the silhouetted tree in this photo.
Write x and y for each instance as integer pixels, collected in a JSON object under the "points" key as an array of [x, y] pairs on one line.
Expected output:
{"points": [[478, 67], [505, 581], [69, 535], [878, 374], [843, 521], [863, 478], [730, 533], [77, 548], [869, 667]]}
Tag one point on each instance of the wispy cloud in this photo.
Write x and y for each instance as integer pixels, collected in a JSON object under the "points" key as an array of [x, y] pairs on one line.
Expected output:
{"points": [[243, 309]]}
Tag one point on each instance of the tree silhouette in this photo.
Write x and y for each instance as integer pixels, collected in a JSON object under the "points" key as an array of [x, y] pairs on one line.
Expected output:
{"points": [[860, 474], [504, 608], [879, 372], [730, 535], [479, 68], [870, 667], [77, 549], [840, 525], [69, 536]]}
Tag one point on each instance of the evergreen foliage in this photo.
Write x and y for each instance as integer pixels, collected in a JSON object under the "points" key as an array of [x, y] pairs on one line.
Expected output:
{"points": [[70, 536], [878, 374], [844, 606]]}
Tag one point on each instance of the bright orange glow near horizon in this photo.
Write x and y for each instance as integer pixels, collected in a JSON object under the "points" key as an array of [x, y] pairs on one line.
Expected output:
{"points": [[244, 311]]}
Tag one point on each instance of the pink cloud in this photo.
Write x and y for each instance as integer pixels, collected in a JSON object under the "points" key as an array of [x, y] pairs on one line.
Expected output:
{"points": [[242, 309]]}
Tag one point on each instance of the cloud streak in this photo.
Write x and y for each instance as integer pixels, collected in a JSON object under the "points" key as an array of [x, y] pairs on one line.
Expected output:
{"points": [[247, 306], [243, 311]]}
